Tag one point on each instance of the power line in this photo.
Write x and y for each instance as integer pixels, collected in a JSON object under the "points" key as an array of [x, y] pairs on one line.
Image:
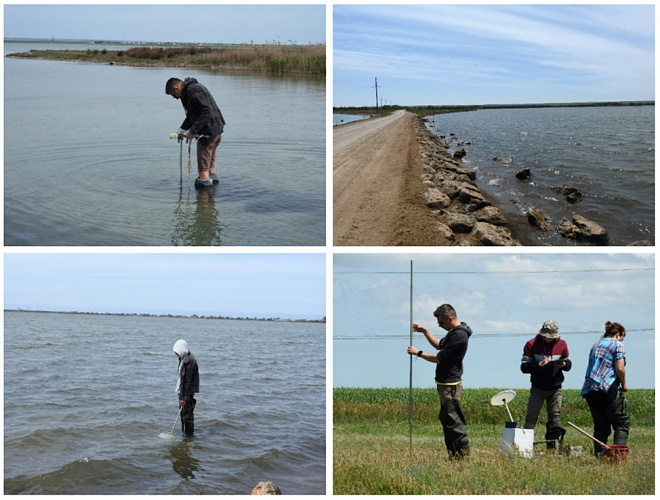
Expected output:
{"points": [[631, 269], [477, 335]]}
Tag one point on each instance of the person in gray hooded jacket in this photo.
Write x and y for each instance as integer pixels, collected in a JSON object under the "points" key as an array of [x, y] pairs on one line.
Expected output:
{"points": [[203, 118], [187, 384]]}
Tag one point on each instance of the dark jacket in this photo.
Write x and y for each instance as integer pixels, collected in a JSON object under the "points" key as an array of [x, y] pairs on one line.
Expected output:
{"points": [[453, 347], [203, 117], [189, 378], [547, 377]]}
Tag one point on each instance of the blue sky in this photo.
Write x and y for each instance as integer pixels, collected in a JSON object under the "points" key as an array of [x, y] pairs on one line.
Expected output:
{"points": [[492, 54], [261, 285], [505, 298], [169, 23]]}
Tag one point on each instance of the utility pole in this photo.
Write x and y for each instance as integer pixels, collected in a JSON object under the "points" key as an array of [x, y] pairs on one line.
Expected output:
{"points": [[376, 87]]}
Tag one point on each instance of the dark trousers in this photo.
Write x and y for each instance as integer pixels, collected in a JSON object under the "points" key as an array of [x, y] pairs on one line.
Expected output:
{"points": [[452, 420], [187, 416], [609, 411]]}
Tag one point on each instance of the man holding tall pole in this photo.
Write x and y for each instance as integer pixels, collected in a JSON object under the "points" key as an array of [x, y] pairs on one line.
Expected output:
{"points": [[449, 370]]}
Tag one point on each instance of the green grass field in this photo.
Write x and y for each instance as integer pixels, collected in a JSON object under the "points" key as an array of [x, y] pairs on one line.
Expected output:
{"points": [[373, 453]]}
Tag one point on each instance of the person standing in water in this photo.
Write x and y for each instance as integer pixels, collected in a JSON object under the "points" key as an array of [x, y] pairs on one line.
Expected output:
{"points": [[187, 385], [203, 118]]}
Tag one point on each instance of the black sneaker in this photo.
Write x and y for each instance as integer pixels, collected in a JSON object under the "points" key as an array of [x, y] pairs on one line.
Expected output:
{"points": [[202, 184], [214, 178]]}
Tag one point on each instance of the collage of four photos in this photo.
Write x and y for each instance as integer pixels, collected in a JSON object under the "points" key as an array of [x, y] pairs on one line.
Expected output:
{"points": [[387, 249]]}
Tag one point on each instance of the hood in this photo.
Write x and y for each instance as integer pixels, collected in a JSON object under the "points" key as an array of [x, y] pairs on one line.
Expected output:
{"points": [[188, 81], [465, 328], [182, 349]]}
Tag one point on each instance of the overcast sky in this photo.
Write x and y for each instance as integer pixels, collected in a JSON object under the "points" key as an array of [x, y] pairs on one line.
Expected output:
{"points": [[504, 298], [261, 285], [301, 24], [492, 54]]}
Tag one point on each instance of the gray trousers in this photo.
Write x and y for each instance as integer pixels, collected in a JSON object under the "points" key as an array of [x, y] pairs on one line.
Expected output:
{"points": [[552, 399]]}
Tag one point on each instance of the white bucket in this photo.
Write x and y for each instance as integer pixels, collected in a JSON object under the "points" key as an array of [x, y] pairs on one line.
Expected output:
{"points": [[519, 441]]}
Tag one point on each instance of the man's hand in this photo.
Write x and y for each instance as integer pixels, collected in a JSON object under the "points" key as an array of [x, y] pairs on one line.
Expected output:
{"points": [[190, 135], [419, 328], [413, 350], [182, 402]]}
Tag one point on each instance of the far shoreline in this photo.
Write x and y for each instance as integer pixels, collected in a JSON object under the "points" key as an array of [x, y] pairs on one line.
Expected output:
{"points": [[273, 59], [179, 316]]}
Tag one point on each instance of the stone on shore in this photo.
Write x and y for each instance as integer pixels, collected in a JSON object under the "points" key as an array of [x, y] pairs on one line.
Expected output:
{"points": [[491, 215], [436, 198], [583, 228], [266, 488], [491, 235], [572, 194], [524, 174], [460, 153], [537, 218], [469, 194], [459, 223]]}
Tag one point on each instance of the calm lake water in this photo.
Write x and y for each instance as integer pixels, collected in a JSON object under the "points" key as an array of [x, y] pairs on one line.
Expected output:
{"points": [[88, 398], [89, 162], [607, 153]]}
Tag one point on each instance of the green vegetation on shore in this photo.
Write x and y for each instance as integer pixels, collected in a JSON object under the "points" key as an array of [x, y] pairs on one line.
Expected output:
{"points": [[372, 452], [303, 59], [429, 110]]}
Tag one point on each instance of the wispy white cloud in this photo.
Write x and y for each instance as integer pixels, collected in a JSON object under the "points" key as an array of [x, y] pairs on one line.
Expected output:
{"points": [[536, 48]]}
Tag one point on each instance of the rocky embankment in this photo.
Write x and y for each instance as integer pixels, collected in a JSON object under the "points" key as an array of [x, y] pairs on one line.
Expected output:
{"points": [[464, 215], [467, 217]]}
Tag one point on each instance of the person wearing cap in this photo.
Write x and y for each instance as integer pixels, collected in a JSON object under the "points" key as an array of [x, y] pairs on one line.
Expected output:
{"points": [[604, 383], [187, 384], [546, 358], [448, 374], [204, 120]]}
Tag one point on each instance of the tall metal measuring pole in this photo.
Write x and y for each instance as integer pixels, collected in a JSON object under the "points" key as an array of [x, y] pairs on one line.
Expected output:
{"points": [[410, 394]]}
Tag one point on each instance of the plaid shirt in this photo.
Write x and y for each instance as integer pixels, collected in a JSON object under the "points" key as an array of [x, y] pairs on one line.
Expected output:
{"points": [[600, 372]]}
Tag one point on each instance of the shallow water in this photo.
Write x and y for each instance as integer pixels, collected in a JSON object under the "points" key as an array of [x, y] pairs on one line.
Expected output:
{"points": [[341, 118], [90, 162], [607, 153], [87, 398]]}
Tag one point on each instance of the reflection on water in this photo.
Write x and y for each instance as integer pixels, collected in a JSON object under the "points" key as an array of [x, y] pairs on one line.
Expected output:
{"points": [[196, 218], [183, 463]]}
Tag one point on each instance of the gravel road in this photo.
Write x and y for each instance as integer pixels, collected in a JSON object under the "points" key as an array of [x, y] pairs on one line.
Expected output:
{"points": [[377, 194]]}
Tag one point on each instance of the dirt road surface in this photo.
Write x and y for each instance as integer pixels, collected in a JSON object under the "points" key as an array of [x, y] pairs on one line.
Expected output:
{"points": [[378, 198]]}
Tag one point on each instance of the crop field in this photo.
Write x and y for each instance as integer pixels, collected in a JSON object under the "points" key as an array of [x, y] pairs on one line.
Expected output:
{"points": [[373, 453]]}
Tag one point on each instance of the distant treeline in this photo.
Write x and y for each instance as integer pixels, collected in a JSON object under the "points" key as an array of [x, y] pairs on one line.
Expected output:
{"points": [[194, 316], [437, 109], [275, 58]]}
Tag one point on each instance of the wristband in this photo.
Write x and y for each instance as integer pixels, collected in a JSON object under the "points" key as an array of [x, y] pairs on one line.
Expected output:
{"points": [[419, 354]]}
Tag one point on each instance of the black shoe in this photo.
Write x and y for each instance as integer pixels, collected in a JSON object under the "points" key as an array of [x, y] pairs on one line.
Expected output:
{"points": [[214, 178], [202, 184]]}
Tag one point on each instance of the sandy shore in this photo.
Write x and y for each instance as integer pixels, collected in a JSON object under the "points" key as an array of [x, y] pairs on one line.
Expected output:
{"points": [[395, 184]]}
